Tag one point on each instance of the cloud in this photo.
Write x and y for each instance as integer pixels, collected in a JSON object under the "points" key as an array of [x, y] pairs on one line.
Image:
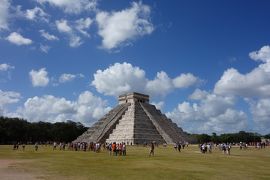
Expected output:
{"points": [[262, 55], [69, 77], [5, 72], [4, 14], [198, 94], [44, 48], [116, 28], [36, 14], [62, 26], [72, 6], [8, 97], [161, 85], [255, 84], [75, 41], [86, 109], [18, 39], [159, 105], [39, 78], [83, 24], [212, 113], [121, 78], [185, 80], [6, 67], [48, 36], [260, 114], [72, 29], [216, 112]]}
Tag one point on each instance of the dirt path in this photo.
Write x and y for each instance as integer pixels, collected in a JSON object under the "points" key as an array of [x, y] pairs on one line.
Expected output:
{"points": [[13, 170]]}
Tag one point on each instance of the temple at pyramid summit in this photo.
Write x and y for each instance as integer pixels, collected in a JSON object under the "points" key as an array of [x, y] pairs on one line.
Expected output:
{"points": [[134, 121]]}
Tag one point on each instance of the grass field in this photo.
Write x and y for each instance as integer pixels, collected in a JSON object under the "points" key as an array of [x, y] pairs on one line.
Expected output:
{"points": [[166, 164]]}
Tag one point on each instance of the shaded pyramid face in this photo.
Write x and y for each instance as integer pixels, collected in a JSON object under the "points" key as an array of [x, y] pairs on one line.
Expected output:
{"points": [[134, 121]]}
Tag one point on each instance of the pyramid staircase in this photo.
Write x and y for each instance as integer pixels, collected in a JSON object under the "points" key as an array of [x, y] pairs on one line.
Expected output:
{"points": [[100, 131], [135, 127], [168, 129]]}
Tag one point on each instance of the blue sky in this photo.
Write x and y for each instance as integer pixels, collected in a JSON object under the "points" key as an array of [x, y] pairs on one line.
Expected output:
{"points": [[206, 64]]}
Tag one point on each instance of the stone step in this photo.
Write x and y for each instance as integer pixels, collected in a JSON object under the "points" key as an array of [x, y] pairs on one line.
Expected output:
{"points": [[94, 131]]}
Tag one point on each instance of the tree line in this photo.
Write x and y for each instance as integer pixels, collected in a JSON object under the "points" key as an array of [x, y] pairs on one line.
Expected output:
{"points": [[13, 130], [241, 136]]}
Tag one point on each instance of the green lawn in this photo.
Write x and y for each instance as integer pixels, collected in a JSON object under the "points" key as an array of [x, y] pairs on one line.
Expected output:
{"points": [[167, 164]]}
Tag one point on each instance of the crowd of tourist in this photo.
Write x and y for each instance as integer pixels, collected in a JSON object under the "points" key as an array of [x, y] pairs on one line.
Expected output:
{"points": [[116, 149], [208, 147], [178, 146], [120, 149]]}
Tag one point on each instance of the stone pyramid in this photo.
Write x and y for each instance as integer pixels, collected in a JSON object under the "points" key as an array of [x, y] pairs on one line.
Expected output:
{"points": [[134, 121]]}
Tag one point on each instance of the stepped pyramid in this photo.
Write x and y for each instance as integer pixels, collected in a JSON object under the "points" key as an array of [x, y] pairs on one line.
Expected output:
{"points": [[134, 121]]}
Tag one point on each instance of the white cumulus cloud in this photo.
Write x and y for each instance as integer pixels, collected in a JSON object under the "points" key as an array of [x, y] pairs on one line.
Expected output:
{"points": [[8, 97], [116, 28], [18, 39], [72, 6], [262, 55], [212, 113], [261, 114], [87, 108], [185, 80], [198, 94], [4, 14], [161, 85], [39, 78], [118, 79], [121, 78], [254, 84]]}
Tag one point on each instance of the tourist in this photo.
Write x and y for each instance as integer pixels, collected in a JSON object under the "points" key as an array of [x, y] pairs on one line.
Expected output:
{"points": [[124, 150], [179, 147], [120, 149], [203, 148], [175, 146], [183, 145], [54, 145], [97, 148], [228, 149], [209, 147], [241, 146], [114, 148], [36, 146], [152, 149], [223, 148], [110, 149]]}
